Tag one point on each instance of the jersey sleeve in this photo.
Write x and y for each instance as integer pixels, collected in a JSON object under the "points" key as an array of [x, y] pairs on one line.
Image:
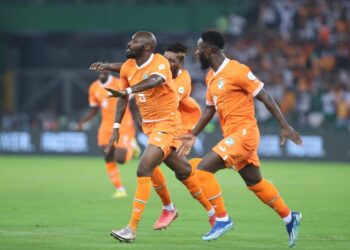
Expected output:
{"points": [[161, 67], [209, 99], [248, 82], [183, 87], [93, 102], [124, 82]]}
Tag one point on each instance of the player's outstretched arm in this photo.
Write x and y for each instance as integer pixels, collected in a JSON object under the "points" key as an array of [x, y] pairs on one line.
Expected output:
{"points": [[286, 130], [188, 140], [100, 66], [87, 117], [148, 83], [120, 111]]}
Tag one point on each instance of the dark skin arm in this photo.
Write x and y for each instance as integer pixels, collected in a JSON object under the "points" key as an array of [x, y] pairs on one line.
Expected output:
{"points": [[135, 113], [87, 117], [148, 83], [100, 66], [120, 111], [287, 132], [188, 140]]}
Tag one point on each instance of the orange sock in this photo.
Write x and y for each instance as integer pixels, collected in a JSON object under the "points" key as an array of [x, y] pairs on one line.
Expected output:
{"points": [[159, 185], [212, 191], [194, 187], [114, 175], [268, 194], [142, 194]]}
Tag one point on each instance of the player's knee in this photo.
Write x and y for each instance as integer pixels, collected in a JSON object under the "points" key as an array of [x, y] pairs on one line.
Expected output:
{"points": [[109, 158], [121, 159], [144, 169], [251, 175], [184, 172], [202, 166], [120, 155]]}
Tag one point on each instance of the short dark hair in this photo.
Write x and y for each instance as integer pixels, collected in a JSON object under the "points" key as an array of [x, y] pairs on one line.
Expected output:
{"points": [[214, 38], [176, 47]]}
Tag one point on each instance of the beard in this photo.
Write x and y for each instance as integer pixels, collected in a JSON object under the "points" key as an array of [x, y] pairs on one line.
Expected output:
{"points": [[204, 62], [133, 53]]}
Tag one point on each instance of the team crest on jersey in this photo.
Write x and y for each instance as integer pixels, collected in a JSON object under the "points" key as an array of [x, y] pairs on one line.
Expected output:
{"points": [[161, 67], [145, 76], [221, 83], [251, 76], [229, 141], [181, 90], [104, 103]]}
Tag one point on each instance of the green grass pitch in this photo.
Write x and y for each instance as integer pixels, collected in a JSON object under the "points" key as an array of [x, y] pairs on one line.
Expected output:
{"points": [[65, 203]]}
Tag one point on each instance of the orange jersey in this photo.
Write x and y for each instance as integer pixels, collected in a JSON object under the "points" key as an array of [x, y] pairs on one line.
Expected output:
{"points": [[188, 111], [155, 104], [98, 98], [232, 89]]}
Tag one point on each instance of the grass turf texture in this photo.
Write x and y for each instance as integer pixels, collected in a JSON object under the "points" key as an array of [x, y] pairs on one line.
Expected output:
{"points": [[65, 203]]}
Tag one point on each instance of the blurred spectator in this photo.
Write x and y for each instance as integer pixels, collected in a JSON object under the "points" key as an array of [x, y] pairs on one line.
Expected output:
{"points": [[300, 49]]}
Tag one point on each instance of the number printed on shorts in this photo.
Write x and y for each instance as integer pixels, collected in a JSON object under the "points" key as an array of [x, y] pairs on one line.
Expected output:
{"points": [[142, 97]]}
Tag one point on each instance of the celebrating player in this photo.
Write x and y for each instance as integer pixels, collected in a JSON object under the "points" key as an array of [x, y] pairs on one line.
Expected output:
{"points": [[149, 76], [231, 88], [188, 115], [121, 152]]}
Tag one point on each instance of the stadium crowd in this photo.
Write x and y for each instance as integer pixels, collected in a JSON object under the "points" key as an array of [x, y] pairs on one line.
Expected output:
{"points": [[300, 49]]}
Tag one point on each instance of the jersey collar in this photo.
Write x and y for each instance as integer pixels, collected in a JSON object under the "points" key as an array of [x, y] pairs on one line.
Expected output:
{"points": [[109, 80], [149, 60], [222, 66]]}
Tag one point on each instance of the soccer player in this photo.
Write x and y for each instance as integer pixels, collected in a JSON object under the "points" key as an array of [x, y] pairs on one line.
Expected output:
{"points": [[149, 76], [231, 88], [121, 152], [188, 114]]}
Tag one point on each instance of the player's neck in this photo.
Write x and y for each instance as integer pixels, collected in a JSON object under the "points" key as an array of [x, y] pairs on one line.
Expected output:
{"points": [[140, 61], [175, 72], [216, 60]]}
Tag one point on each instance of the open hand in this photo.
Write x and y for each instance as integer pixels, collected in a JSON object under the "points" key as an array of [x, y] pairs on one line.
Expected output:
{"points": [[114, 138], [98, 66], [187, 142], [289, 133]]}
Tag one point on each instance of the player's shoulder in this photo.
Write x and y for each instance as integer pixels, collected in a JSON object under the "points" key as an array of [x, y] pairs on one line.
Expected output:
{"points": [[94, 85], [209, 76], [115, 83], [238, 66], [159, 59], [184, 74], [130, 63]]}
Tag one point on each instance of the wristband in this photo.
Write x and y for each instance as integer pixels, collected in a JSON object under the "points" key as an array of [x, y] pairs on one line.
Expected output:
{"points": [[128, 91], [116, 125]]}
